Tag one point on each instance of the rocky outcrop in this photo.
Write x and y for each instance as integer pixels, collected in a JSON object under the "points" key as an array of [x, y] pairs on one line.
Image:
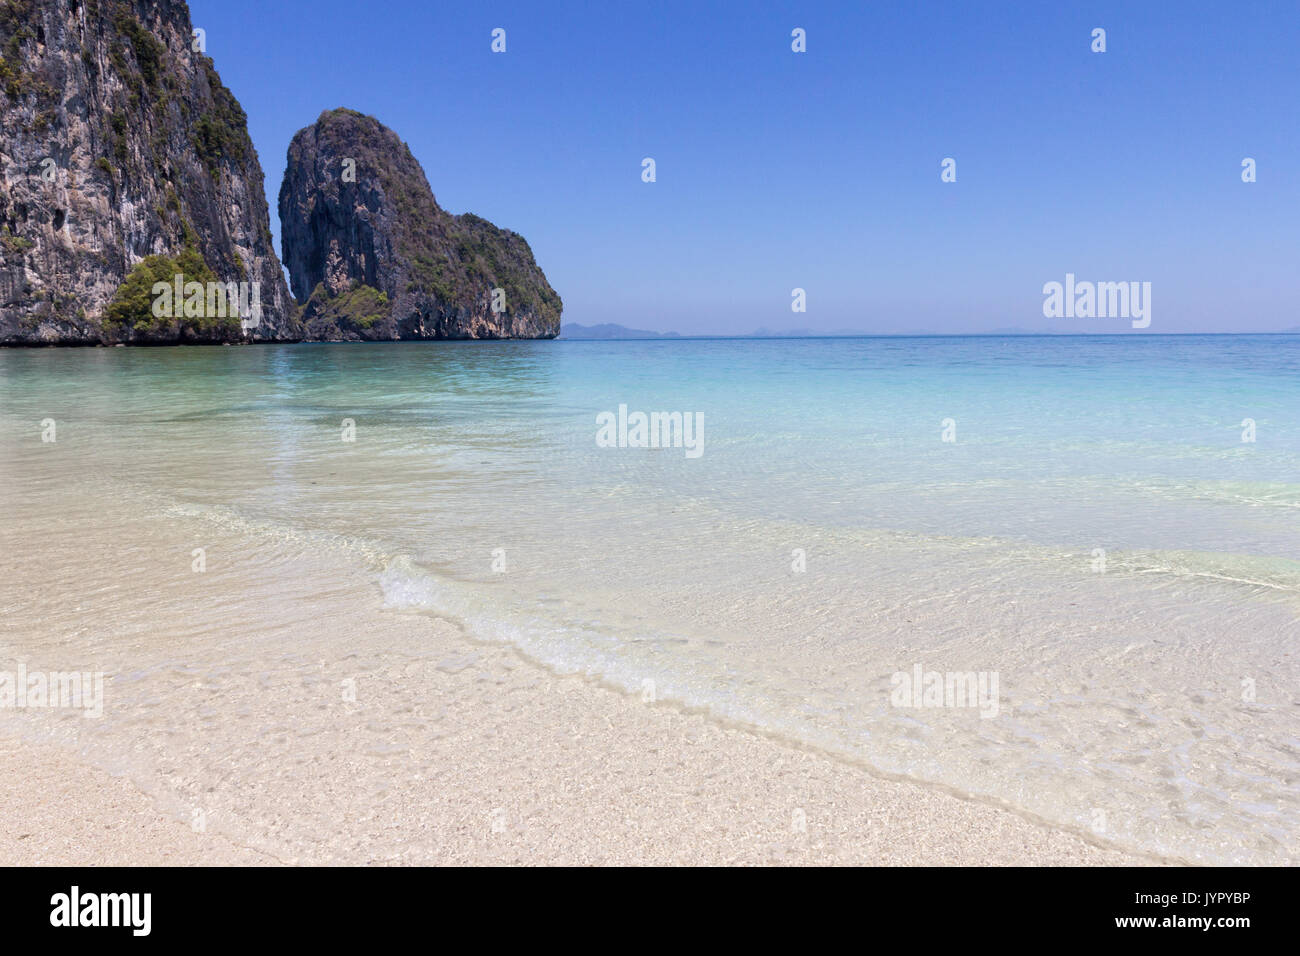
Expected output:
{"points": [[124, 157], [372, 256]]}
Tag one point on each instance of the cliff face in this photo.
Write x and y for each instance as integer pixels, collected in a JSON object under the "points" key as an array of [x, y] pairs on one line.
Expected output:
{"points": [[373, 256], [119, 142]]}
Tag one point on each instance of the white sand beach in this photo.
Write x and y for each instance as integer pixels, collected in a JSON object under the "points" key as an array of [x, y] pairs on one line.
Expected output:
{"points": [[515, 767], [453, 752]]}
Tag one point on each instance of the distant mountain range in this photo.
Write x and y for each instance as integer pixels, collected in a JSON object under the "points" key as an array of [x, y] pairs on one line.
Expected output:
{"points": [[610, 330]]}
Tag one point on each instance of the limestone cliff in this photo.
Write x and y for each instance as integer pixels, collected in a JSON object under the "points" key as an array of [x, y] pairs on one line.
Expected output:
{"points": [[373, 256], [121, 150]]}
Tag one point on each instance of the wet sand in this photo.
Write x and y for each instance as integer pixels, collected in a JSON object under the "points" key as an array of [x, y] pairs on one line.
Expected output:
{"points": [[479, 757]]}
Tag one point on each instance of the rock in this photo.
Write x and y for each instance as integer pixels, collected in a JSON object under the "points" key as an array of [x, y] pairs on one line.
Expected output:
{"points": [[373, 257], [119, 142]]}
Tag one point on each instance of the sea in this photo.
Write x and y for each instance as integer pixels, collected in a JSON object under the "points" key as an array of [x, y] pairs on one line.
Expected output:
{"points": [[1059, 574]]}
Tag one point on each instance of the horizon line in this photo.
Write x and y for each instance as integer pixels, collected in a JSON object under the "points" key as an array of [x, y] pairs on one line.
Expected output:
{"points": [[678, 336]]}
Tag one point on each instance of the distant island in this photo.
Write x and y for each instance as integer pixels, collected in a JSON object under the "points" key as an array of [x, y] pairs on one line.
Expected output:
{"points": [[608, 330]]}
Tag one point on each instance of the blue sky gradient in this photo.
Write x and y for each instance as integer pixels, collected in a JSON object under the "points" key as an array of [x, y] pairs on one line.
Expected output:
{"points": [[822, 170]]}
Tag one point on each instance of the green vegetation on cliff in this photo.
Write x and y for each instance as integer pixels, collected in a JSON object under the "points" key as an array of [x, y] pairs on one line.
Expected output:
{"points": [[16, 17], [220, 133], [361, 306], [489, 254], [148, 50], [16, 245], [132, 307]]}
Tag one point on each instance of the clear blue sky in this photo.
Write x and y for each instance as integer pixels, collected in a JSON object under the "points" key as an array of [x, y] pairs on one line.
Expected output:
{"points": [[821, 170]]}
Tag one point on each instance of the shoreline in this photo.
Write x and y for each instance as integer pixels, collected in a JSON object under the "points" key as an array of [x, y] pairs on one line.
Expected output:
{"points": [[278, 696], [527, 768]]}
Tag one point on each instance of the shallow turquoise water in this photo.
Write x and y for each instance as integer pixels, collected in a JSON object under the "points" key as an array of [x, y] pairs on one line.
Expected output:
{"points": [[826, 539]]}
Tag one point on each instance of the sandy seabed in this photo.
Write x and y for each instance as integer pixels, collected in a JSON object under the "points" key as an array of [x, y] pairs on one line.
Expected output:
{"points": [[272, 710], [496, 761]]}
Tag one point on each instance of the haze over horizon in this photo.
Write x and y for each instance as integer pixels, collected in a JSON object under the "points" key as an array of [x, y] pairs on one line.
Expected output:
{"points": [[821, 170], [616, 331]]}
